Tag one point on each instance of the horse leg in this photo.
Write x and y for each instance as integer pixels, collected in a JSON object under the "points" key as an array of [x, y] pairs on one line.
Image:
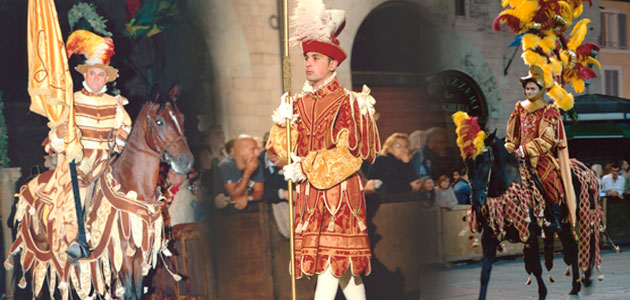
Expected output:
{"points": [[532, 262], [489, 245], [588, 283], [138, 273], [570, 251], [548, 252]]}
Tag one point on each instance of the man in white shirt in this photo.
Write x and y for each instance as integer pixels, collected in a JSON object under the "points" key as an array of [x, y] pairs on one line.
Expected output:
{"points": [[613, 183]]}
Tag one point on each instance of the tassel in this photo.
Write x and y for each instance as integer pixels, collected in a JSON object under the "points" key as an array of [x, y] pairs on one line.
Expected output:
{"points": [[8, 265], [362, 226], [22, 283], [600, 277], [304, 226], [331, 226], [298, 230], [62, 285]]}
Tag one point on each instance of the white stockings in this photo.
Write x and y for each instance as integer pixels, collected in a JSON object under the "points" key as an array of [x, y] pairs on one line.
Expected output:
{"points": [[352, 286]]}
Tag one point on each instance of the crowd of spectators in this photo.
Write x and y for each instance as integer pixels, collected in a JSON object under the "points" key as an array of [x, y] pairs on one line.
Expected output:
{"points": [[614, 180], [230, 175]]}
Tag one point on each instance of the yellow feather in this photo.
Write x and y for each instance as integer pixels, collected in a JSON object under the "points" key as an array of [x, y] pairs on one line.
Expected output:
{"points": [[458, 117], [530, 41], [479, 142], [532, 58], [578, 10], [578, 33], [578, 85], [526, 10], [561, 97], [548, 43], [556, 66], [548, 76], [591, 60]]}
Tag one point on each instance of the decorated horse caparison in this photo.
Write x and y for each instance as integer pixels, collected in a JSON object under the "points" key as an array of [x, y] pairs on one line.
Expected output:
{"points": [[123, 217], [508, 206]]}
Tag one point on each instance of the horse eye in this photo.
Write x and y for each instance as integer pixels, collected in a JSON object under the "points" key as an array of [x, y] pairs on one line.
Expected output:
{"points": [[159, 122]]}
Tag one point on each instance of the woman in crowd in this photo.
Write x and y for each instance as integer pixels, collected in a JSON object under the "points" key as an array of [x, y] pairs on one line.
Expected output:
{"points": [[392, 172], [444, 195]]}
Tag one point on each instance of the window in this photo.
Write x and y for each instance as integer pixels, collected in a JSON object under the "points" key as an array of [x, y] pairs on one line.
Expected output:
{"points": [[614, 31], [460, 7], [611, 81]]}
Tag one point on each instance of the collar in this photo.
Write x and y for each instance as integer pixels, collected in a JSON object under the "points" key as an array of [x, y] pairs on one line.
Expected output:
{"points": [[327, 87], [532, 106], [89, 92]]}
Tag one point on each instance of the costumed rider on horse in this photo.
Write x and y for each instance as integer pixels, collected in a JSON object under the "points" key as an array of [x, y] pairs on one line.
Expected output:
{"points": [[101, 125], [535, 133]]}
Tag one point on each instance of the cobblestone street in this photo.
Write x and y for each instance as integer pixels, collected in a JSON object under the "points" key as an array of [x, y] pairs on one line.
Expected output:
{"points": [[508, 280]]}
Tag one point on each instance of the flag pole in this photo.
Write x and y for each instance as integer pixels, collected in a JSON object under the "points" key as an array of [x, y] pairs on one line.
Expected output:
{"points": [[286, 80]]}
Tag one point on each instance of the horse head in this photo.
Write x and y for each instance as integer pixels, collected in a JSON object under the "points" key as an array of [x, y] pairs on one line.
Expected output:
{"points": [[164, 133], [476, 151]]}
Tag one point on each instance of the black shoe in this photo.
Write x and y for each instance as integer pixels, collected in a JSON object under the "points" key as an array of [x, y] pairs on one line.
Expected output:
{"points": [[77, 251]]}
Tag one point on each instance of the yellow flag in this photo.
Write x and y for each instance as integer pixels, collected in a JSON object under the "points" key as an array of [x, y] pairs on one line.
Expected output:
{"points": [[49, 80]]}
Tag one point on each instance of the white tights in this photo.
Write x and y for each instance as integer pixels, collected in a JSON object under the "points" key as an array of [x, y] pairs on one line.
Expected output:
{"points": [[352, 286]]}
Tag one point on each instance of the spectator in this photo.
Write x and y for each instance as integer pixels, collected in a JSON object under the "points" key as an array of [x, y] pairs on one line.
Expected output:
{"points": [[444, 195], [461, 187], [180, 199], [212, 151], [613, 184], [417, 140], [597, 169], [624, 169], [275, 191], [392, 172], [228, 147], [437, 160], [427, 191], [242, 175]]}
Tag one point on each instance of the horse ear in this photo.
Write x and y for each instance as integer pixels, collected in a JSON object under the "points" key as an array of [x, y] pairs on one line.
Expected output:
{"points": [[490, 138]]}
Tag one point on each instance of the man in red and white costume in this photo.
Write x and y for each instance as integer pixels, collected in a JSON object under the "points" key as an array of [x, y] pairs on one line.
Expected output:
{"points": [[333, 132]]}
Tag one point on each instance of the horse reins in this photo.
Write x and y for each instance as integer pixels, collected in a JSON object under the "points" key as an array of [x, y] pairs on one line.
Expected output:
{"points": [[156, 138]]}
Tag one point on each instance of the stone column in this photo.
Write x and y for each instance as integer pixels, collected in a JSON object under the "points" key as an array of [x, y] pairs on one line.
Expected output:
{"points": [[8, 178]]}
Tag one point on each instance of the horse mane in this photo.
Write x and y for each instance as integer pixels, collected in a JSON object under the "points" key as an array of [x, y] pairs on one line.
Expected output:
{"points": [[504, 169]]}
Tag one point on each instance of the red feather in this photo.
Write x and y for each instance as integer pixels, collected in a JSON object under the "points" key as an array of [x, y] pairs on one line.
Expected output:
{"points": [[585, 49], [510, 21], [587, 73]]}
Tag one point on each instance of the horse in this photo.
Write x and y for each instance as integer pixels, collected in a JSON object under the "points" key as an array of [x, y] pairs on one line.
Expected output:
{"points": [[507, 206], [123, 218]]}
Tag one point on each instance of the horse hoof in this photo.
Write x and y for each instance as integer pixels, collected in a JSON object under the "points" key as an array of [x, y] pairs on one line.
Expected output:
{"points": [[529, 281], [588, 290], [567, 273]]}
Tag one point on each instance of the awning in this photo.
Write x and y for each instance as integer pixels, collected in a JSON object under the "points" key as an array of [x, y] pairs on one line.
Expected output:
{"points": [[598, 107], [597, 131]]}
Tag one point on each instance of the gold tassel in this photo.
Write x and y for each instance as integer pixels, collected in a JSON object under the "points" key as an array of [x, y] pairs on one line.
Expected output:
{"points": [[331, 225]]}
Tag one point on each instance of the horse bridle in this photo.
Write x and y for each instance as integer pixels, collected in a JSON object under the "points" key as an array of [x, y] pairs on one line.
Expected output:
{"points": [[487, 180], [156, 138]]}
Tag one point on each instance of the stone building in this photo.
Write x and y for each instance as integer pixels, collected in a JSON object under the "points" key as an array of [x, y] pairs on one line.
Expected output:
{"points": [[245, 48]]}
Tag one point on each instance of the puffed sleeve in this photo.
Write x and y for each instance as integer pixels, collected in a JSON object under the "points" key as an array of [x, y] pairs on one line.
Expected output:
{"points": [[329, 167], [547, 132], [123, 125], [513, 138]]}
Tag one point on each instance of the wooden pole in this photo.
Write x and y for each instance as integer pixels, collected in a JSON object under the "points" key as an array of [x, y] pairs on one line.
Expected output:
{"points": [[286, 79]]}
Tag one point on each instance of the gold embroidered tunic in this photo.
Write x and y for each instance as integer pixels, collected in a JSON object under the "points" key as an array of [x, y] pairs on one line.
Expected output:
{"points": [[332, 137]]}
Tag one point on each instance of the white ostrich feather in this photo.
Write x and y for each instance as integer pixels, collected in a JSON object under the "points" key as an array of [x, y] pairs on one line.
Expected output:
{"points": [[312, 21]]}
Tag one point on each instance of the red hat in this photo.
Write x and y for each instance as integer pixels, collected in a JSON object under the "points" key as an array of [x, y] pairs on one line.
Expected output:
{"points": [[317, 28]]}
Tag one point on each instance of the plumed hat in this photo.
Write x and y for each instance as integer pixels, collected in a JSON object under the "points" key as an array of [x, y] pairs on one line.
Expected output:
{"points": [[317, 28], [96, 49]]}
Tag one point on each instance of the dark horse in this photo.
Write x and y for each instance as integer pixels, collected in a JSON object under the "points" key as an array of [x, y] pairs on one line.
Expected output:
{"points": [[123, 216], [496, 172]]}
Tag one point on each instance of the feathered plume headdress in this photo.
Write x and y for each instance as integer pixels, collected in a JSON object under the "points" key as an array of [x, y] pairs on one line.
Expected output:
{"points": [[541, 24], [317, 28], [96, 49], [470, 137]]}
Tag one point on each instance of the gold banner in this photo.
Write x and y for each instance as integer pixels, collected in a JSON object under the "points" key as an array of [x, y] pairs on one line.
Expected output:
{"points": [[49, 80]]}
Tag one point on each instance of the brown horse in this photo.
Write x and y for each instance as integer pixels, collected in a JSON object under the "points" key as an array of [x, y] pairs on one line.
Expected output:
{"points": [[123, 218]]}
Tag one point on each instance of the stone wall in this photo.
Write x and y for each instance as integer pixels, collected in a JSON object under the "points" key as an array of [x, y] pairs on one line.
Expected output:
{"points": [[245, 50]]}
